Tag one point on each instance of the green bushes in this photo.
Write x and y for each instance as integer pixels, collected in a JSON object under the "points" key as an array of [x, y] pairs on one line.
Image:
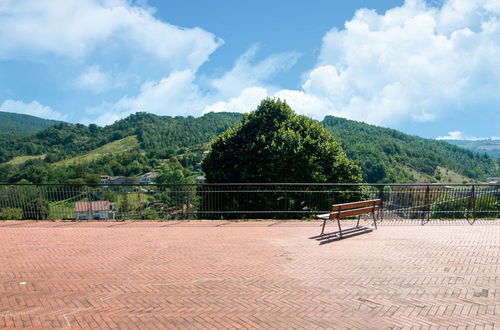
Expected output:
{"points": [[11, 213], [36, 209], [452, 206]]}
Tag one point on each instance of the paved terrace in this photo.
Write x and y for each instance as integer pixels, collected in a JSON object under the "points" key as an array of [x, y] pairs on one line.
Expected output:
{"points": [[247, 275]]}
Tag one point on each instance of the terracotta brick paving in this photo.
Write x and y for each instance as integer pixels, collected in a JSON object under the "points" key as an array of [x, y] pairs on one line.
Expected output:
{"points": [[248, 275]]}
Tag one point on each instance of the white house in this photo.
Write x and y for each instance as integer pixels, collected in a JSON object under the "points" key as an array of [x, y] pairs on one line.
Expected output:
{"points": [[148, 178], [98, 210]]}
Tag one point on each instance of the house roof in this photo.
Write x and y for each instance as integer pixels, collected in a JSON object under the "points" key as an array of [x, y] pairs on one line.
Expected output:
{"points": [[117, 178], [93, 206]]}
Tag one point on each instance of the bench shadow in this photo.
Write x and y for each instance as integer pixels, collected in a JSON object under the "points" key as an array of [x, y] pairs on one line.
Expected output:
{"points": [[346, 233]]}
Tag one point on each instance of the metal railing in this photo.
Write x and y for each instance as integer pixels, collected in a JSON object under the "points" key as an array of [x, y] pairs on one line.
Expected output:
{"points": [[420, 202]]}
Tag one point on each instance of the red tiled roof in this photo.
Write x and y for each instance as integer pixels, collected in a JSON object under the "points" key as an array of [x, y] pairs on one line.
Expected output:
{"points": [[93, 206]]}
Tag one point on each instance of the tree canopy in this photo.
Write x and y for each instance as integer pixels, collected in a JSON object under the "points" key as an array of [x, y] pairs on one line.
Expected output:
{"points": [[274, 144]]}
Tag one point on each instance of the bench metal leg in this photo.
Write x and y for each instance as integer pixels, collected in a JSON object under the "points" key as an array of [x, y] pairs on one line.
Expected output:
{"points": [[340, 229], [323, 229], [374, 220], [357, 223]]}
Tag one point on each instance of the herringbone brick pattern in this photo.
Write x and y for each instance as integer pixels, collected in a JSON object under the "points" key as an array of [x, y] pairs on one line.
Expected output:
{"points": [[247, 275]]}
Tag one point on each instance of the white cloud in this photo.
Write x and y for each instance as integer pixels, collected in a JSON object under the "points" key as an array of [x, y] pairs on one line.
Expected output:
{"points": [[243, 87], [174, 95], [33, 108], [412, 63], [457, 135], [180, 93], [95, 80], [454, 135], [248, 100], [116, 36], [76, 28]]}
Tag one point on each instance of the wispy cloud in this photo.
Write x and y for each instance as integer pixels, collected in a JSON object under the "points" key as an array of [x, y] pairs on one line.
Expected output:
{"points": [[248, 72], [33, 108], [97, 81], [240, 89]]}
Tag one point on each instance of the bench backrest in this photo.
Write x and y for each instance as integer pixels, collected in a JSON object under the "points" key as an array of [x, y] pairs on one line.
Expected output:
{"points": [[355, 205], [354, 208]]}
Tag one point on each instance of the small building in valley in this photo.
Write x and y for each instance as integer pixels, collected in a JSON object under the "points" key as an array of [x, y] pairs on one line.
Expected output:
{"points": [[97, 210], [105, 179], [148, 178], [493, 180], [118, 180]]}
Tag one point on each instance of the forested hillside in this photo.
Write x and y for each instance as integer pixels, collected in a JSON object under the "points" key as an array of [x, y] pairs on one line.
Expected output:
{"points": [[143, 142], [18, 124], [387, 155], [490, 147], [158, 137]]}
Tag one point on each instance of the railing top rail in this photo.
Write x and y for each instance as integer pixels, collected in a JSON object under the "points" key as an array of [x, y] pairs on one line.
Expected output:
{"points": [[257, 184]]}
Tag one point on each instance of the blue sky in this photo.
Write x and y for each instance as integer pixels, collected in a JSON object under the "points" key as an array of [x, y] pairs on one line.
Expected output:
{"points": [[426, 68]]}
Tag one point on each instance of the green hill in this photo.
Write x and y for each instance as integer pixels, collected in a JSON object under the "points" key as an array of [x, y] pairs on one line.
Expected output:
{"points": [[387, 155], [159, 136], [490, 147], [18, 124], [128, 147], [139, 143]]}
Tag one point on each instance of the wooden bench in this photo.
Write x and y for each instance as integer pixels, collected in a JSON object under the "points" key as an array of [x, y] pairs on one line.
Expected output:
{"points": [[350, 209]]}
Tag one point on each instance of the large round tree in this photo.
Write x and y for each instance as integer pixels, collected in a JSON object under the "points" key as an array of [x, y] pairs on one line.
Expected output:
{"points": [[273, 144]]}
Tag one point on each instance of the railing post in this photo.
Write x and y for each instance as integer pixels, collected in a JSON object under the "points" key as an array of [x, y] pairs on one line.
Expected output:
{"points": [[38, 204], [426, 209], [428, 203], [188, 201], [381, 197], [89, 212], [140, 213], [287, 204], [473, 204]]}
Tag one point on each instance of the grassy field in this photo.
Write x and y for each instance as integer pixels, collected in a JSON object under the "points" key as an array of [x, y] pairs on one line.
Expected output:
{"points": [[22, 159], [442, 175], [119, 146], [449, 176]]}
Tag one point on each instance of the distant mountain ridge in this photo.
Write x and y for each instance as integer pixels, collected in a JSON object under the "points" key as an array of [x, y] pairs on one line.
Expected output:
{"points": [[73, 151], [20, 124], [490, 147]]}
